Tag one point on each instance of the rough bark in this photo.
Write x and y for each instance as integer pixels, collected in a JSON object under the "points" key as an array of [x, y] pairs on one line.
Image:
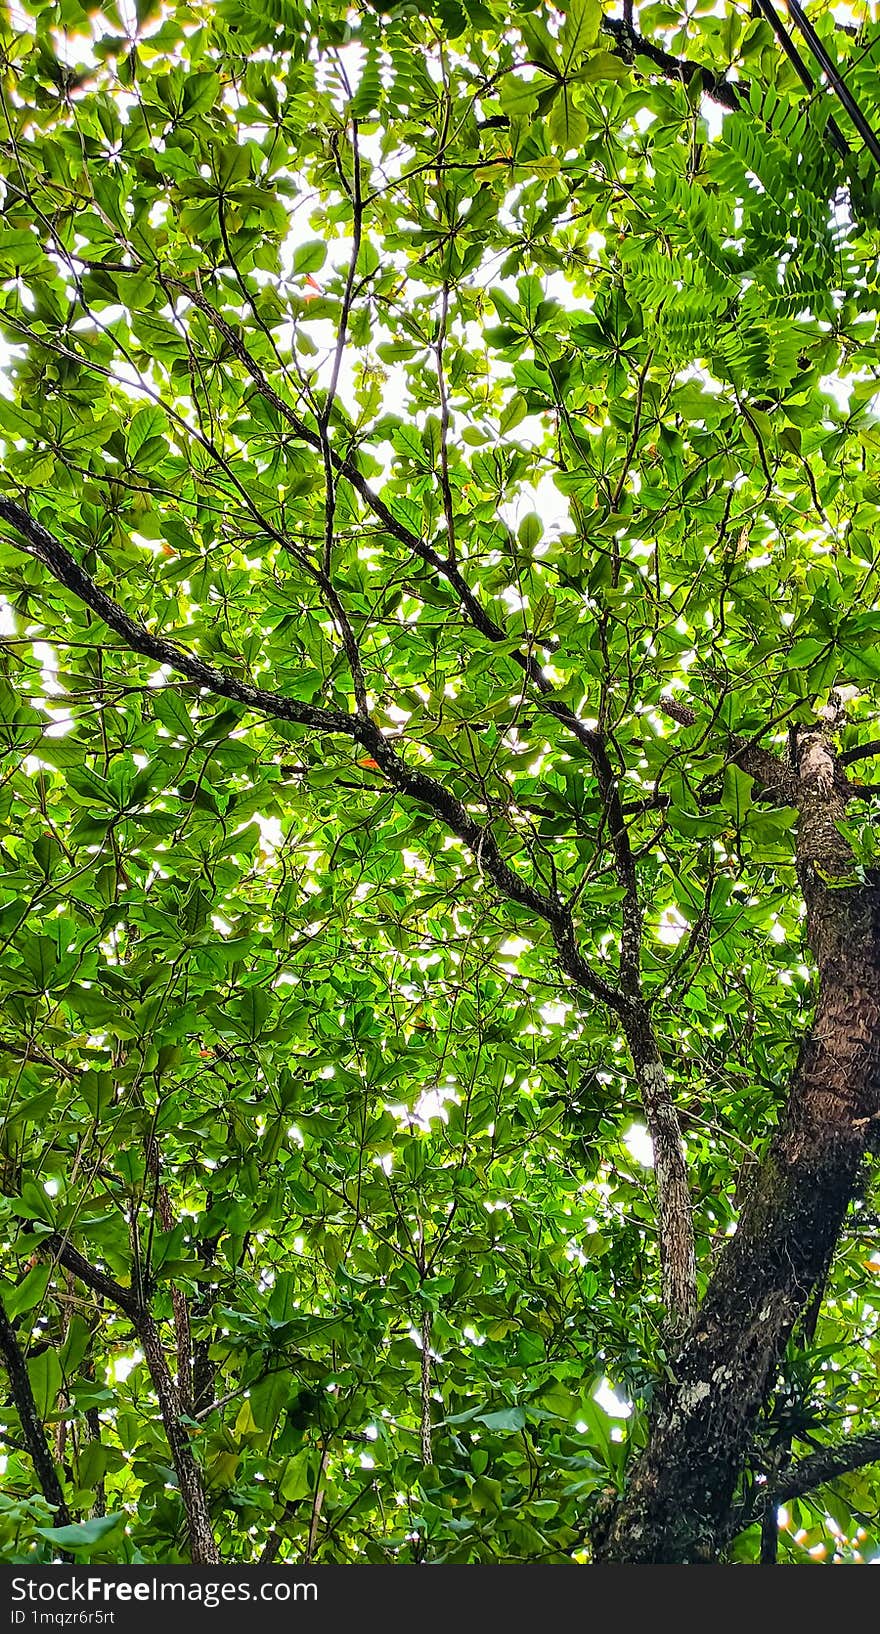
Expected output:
{"points": [[202, 1545], [31, 1423], [675, 1222], [681, 1491]]}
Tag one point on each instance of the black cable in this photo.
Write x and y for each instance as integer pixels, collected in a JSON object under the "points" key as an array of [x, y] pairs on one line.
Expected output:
{"points": [[836, 135], [835, 80]]}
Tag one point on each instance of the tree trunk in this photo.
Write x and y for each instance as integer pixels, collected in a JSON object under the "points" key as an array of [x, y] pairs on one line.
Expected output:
{"points": [[680, 1493], [202, 1545]]}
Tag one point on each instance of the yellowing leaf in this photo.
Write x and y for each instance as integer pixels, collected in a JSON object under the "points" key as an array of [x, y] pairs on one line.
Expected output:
{"points": [[245, 1423]]}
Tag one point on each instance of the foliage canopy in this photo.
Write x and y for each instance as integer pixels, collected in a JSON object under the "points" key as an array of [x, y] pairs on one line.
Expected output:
{"points": [[471, 380]]}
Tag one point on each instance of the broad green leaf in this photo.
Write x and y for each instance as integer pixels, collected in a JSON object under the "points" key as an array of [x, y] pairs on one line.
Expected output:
{"points": [[505, 1421], [296, 1480], [579, 32], [28, 1293], [44, 1371], [84, 1533], [567, 124], [737, 794]]}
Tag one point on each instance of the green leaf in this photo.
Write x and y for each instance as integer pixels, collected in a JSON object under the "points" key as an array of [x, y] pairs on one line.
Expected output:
{"points": [[520, 96], [146, 424], [505, 1421], [44, 1371], [567, 125], [603, 65], [579, 32], [296, 1480], [170, 709], [737, 795], [85, 1533], [309, 257], [530, 531], [28, 1293]]}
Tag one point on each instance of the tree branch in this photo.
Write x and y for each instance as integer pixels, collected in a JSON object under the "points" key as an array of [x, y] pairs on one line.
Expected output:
{"points": [[448, 569], [861, 751], [791, 51], [625, 867], [202, 1544], [445, 487], [31, 1422], [425, 1391], [408, 780], [203, 1549], [765, 767], [629, 44], [835, 79], [676, 1228], [327, 409], [805, 1474], [64, 567], [99, 1281]]}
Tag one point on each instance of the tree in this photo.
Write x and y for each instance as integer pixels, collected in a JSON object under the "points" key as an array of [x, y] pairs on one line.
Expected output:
{"points": [[441, 978]]}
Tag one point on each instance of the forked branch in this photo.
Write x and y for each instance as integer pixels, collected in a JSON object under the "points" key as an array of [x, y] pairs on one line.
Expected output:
{"points": [[677, 1253]]}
